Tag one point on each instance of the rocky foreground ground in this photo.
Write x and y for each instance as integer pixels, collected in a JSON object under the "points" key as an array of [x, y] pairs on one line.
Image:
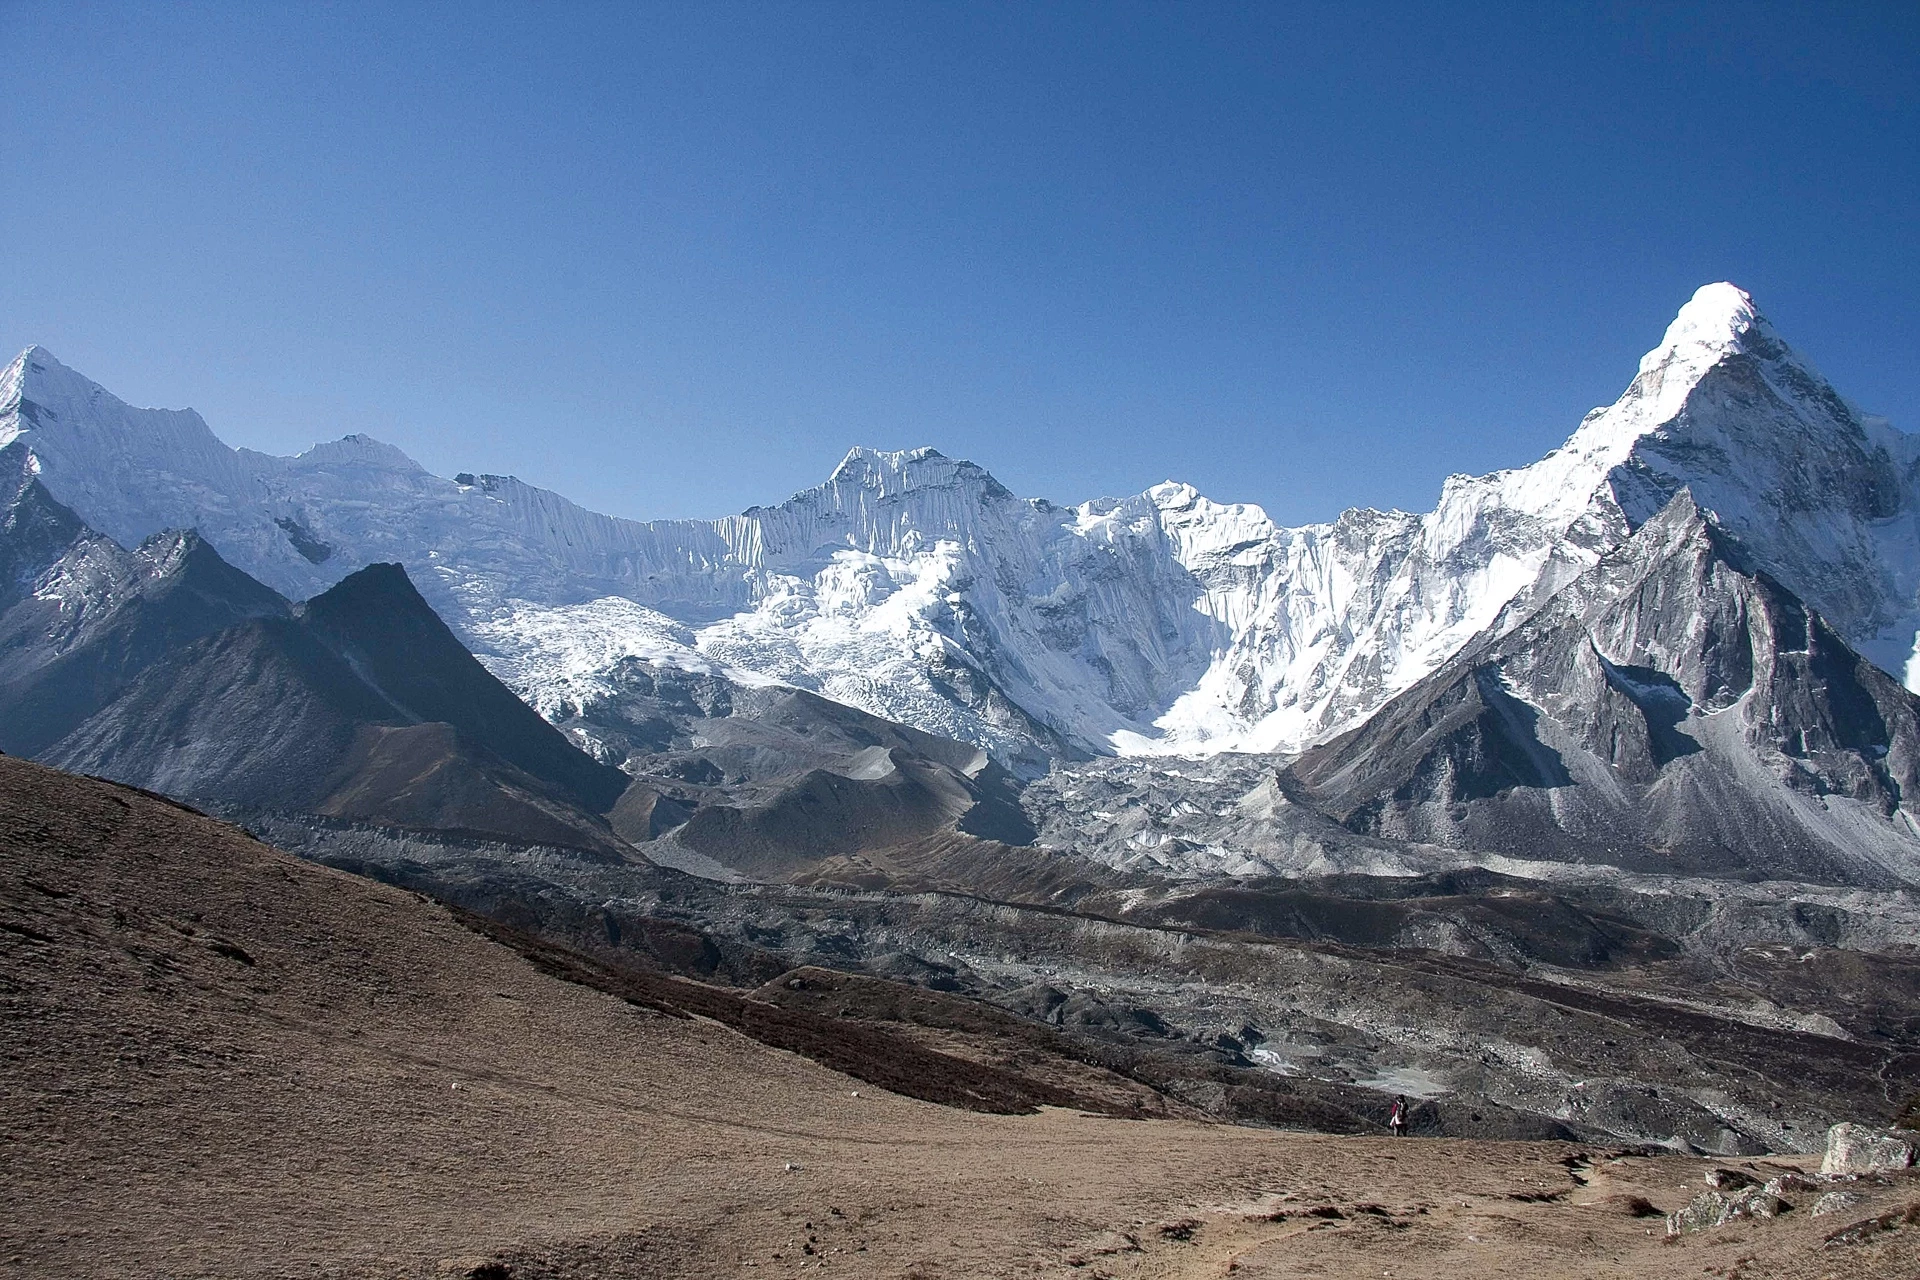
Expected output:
{"points": [[222, 1061]]}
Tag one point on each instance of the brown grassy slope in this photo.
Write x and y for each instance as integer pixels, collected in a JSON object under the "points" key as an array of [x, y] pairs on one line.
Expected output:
{"points": [[221, 1061]]}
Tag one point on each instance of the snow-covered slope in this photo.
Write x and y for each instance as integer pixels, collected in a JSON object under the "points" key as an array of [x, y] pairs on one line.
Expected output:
{"points": [[917, 587], [1671, 711], [1329, 620]]}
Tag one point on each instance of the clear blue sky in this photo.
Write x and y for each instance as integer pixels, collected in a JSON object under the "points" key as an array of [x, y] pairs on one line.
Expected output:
{"points": [[673, 259]]}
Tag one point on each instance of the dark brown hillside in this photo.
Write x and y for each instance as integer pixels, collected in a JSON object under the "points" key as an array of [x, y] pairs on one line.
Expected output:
{"points": [[214, 1049]]}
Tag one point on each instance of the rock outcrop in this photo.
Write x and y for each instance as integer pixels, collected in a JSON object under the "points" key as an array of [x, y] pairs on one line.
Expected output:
{"points": [[1858, 1149], [1712, 1209]]}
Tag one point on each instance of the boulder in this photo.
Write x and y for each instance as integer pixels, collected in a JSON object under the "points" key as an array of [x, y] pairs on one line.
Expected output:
{"points": [[1836, 1202], [1787, 1182], [1717, 1208], [1857, 1149]]}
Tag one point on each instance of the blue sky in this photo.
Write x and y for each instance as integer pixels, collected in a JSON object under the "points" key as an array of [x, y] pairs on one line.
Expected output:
{"points": [[673, 259]]}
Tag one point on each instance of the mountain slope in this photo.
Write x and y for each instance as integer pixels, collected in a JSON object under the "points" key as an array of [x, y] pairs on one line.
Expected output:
{"points": [[767, 780], [222, 1060], [80, 617], [167, 666], [917, 587], [381, 627], [1673, 710], [357, 704]]}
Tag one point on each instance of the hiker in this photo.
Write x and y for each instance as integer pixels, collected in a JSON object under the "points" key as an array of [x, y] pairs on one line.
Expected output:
{"points": [[1397, 1118]]}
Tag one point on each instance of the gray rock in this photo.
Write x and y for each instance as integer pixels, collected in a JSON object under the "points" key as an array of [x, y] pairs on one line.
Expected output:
{"points": [[1712, 1209], [1836, 1202], [1786, 1182], [1856, 1148]]}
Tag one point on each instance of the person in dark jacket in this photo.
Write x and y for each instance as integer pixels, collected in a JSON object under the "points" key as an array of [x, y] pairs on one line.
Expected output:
{"points": [[1397, 1118]]}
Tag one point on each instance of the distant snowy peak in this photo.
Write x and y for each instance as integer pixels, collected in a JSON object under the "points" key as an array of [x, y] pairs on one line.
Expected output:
{"points": [[97, 454], [352, 451], [884, 504], [894, 474], [1724, 398], [1716, 317], [1561, 488], [917, 587]]}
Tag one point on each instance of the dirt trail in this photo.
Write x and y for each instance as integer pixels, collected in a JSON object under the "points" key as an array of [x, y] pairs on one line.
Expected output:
{"points": [[219, 1061]]}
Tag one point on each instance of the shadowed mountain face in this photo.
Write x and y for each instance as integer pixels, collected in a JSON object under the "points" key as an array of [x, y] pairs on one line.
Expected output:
{"points": [[35, 531], [80, 617], [168, 668], [768, 782], [1673, 709], [394, 642], [356, 704]]}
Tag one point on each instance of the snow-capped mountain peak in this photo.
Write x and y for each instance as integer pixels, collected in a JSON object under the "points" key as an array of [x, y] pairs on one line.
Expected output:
{"points": [[916, 586], [896, 471], [1715, 320], [356, 450], [1560, 488], [883, 503]]}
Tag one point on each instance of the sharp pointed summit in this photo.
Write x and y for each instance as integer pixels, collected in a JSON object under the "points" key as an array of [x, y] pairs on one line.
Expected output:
{"points": [[1673, 710], [1717, 316]]}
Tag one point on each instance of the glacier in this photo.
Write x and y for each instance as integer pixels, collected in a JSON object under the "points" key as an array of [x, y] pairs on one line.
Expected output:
{"points": [[916, 587]]}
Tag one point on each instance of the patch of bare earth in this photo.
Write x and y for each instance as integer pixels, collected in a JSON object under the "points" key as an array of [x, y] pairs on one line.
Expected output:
{"points": [[221, 1061]]}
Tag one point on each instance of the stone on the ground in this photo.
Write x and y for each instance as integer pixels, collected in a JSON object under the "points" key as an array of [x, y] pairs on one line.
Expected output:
{"points": [[1712, 1209], [1856, 1148], [1788, 1182], [1836, 1202]]}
